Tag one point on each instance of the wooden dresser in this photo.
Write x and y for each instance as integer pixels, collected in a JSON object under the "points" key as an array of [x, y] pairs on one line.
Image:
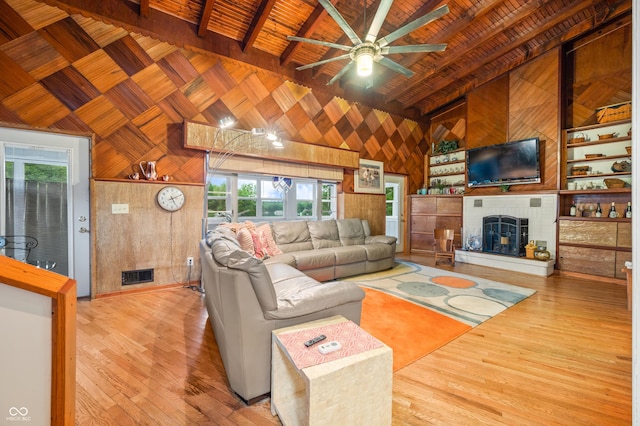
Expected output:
{"points": [[428, 212]]}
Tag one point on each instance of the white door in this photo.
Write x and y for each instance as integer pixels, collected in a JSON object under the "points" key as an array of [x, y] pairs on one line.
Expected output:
{"points": [[45, 195], [394, 189]]}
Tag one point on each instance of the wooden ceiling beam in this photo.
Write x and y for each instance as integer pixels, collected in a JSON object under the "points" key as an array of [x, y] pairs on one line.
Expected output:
{"points": [[144, 8], [478, 10], [484, 76], [470, 47], [205, 17], [309, 26], [413, 95], [259, 19]]}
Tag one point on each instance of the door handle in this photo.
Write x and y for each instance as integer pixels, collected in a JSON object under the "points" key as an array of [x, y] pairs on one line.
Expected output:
{"points": [[83, 230]]}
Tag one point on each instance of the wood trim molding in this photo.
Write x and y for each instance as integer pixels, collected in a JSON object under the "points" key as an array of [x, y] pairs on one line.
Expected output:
{"points": [[205, 137], [62, 291]]}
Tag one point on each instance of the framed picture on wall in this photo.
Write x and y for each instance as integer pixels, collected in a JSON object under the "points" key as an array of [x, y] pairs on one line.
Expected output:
{"points": [[369, 177]]}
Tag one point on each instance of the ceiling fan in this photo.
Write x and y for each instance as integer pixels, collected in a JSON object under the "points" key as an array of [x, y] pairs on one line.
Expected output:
{"points": [[373, 49]]}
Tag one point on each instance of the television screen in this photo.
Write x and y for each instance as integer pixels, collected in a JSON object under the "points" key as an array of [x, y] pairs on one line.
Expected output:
{"points": [[509, 163]]}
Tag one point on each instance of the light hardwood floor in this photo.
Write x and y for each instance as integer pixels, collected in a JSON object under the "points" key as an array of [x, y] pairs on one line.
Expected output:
{"points": [[563, 356]]}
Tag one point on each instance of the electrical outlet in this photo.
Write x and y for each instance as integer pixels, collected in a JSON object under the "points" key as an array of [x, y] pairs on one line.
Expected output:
{"points": [[189, 261]]}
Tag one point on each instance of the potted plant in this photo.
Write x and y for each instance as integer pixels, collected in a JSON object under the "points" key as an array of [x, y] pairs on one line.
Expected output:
{"points": [[446, 146]]}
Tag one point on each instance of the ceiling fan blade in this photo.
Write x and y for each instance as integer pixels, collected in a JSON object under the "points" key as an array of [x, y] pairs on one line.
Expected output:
{"points": [[321, 43], [414, 25], [414, 48], [326, 61], [340, 73], [330, 8], [378, 20], [392, 65]]}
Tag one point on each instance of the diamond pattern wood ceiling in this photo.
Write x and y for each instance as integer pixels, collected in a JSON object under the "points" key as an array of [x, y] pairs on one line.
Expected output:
{"points": [[134, 93]]}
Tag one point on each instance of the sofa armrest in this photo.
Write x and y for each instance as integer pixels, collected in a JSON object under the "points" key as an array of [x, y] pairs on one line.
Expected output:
{"points": [[384, 239]]}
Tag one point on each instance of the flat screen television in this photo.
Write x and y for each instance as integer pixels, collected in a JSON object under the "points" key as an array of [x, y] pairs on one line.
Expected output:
{"points": [[508, 163]]}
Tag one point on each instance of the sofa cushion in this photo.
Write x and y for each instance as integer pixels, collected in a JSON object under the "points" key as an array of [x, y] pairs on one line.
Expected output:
{"points": [[324, 233], [365, 227], [351, 231], [284, 258], [292, 236], [302, 296], [259, 277], [349, 254], [314, 259]]}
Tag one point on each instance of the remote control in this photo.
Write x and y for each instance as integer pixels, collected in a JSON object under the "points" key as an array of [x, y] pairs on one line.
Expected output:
{"points": [[329, 347], [315, 340]]}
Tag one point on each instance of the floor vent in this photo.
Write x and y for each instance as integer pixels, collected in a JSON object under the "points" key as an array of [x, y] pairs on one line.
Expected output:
{"points": [[137, 276]]}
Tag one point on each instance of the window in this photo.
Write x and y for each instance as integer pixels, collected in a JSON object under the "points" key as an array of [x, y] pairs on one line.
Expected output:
{"points": [[248, 197], [218, 198], [305, 199], [329, 198]]}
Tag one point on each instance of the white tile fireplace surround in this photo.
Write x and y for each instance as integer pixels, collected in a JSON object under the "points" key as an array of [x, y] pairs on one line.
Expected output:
{"points": [[539, 209]]}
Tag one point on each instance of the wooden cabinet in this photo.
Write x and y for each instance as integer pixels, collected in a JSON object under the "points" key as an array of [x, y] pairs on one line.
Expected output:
{"points": [[594, 246], [446, 173], [590, 155], [428, 212]]}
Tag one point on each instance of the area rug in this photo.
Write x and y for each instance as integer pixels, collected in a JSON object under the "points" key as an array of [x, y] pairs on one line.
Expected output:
{"points": [[416, 309]]}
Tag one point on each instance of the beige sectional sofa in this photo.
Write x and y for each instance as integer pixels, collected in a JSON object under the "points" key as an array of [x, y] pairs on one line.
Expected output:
{"points": [[248, 297]]}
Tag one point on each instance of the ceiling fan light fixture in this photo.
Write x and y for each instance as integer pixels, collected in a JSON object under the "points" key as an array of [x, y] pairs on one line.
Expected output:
{"points": [[364, 60]]}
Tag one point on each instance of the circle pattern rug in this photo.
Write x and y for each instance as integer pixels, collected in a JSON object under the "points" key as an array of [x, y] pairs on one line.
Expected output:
{"points": [[470, 300]]}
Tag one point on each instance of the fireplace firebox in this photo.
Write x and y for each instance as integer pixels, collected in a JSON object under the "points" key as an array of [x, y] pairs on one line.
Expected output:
{"points": [[504, 235]]}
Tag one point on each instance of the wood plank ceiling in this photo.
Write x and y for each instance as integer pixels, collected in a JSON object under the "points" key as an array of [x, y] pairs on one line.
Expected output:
{"points": [[485, 39]]}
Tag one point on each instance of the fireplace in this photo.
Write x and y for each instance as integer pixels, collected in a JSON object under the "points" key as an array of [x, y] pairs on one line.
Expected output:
{"points": [[504, 235]]}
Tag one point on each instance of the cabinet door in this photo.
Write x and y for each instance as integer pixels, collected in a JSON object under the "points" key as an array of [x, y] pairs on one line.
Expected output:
{"points": [[587, 260], [423, 205], [423, 224], [450, 206], [588, 232], [624, 235], [422, 242]]}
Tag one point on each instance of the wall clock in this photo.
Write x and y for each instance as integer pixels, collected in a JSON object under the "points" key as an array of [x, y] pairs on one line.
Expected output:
{"points": [[171, 198]]}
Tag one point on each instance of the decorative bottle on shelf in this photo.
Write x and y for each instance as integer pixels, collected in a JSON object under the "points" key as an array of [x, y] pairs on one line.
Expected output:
{"points": [[627, 212], [612, 211], [598, 211], [573, 209]]}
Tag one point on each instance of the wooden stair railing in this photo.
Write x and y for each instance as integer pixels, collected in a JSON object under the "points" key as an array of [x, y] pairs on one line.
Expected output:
{"points": [[62, 291]]}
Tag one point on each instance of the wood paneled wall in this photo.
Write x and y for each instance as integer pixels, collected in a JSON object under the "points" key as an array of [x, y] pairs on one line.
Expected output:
{"points": [[146, 237], [598, 72], [487, 113], [534, 100], [365, 206], [531, 97]]}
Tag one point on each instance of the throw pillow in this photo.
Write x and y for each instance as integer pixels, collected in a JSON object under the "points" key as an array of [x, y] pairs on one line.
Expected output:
{"points": [[246, 241], [266, 238], [257, 244]]}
